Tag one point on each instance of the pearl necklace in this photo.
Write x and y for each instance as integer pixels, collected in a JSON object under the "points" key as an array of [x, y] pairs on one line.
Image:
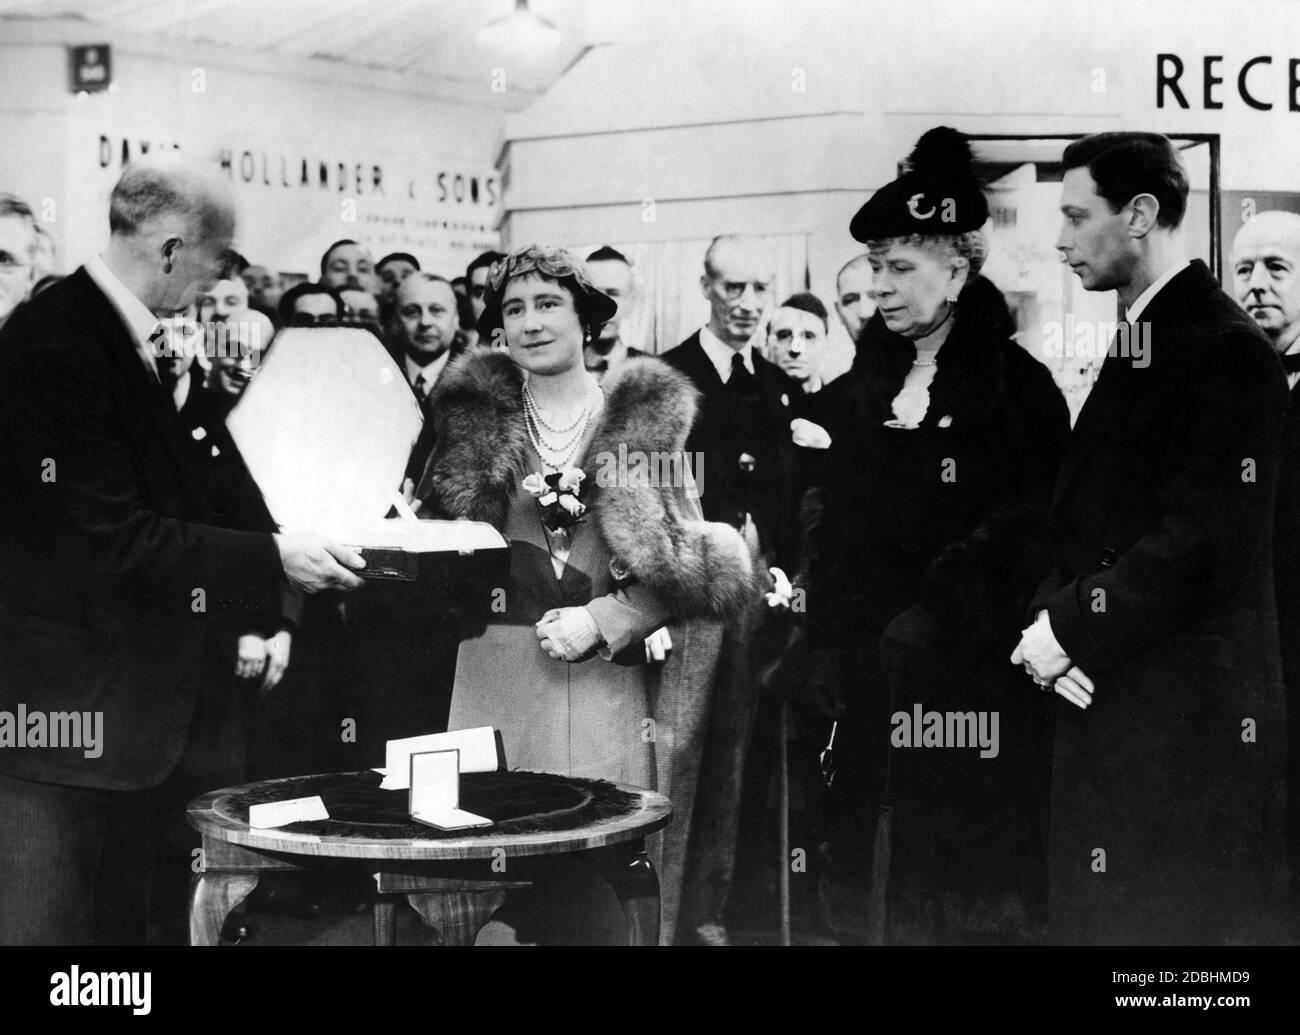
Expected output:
{"points": [[557, 455], [530, 403]]}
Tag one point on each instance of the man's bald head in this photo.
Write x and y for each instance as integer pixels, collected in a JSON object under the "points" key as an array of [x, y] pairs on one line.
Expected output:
{"points": [[853, 300], [170, 189], [172, 221], [1266, 274]]}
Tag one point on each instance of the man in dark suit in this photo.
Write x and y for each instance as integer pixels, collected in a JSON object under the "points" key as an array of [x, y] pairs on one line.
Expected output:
{"points": [[422, 334], [1266, 279], [740, 449], [116, 574], [1158, 623]]}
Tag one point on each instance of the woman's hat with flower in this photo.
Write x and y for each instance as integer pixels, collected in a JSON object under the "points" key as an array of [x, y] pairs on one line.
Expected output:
{"points": [[594, 306]]}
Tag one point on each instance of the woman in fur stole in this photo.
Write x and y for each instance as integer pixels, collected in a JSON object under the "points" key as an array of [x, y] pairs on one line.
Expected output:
{"points": [[607, 544], [925, 554]]}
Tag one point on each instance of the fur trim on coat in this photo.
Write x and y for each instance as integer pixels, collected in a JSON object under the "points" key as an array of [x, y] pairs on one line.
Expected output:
{"points": [[700, 569]]}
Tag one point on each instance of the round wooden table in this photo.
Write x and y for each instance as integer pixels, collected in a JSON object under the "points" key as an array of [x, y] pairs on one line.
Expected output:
{"points": [[455, 881]]}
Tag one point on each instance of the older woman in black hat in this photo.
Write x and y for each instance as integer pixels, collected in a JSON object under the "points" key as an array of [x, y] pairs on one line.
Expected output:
{"points": [[925, 551]]}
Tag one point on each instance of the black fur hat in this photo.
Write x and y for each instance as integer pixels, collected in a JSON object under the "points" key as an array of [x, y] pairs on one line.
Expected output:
{"points": [[936, 194]]}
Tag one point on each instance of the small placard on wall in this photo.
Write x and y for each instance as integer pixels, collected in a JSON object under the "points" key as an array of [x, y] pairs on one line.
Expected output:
{"points": [[90, 68]]}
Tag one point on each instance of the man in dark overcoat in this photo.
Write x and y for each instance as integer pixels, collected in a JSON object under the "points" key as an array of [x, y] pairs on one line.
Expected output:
{"points": [[1158, 623]]}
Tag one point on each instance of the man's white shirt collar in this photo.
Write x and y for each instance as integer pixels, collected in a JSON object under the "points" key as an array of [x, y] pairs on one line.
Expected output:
{"points": [[720, 353], [136, 317], [1144, 299], [134, 313], [430, 370]]}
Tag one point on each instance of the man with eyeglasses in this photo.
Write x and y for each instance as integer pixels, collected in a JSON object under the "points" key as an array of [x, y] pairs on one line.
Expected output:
{"points": [[19, 244], [796, 341], [741, 455]]}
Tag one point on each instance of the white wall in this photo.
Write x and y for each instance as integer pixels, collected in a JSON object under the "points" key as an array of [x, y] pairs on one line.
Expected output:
{"points": [[783, 118], [50, 146]]}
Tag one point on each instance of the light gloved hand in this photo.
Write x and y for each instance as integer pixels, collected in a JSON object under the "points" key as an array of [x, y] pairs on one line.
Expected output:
{"points": [[657, 645], [277, 659], [568, 633], [250, 657], [809, 435]]}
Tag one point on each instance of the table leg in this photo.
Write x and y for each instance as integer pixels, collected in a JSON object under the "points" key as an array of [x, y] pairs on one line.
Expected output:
{"points": [[385, 920], [213, 895], [628, 870], [457, 916]]}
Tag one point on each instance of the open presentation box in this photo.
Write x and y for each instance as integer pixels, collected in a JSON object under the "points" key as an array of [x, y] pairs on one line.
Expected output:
{"points": [[326, 429]]}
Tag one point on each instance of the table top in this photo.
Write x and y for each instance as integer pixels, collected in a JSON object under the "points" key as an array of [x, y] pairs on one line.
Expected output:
{"points": [[568, 814]]}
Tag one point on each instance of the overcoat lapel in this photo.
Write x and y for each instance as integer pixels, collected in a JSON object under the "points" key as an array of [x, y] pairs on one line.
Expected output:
{"points": [[151, 398], [1120, 382]]}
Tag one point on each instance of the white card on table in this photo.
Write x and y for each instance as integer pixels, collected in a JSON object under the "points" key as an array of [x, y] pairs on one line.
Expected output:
{"points": [[282, 813], [477, 747], [435, 791]]}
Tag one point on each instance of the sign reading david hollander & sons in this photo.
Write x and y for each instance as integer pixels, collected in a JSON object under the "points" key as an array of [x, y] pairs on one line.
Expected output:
{"points": [[262, 168]]}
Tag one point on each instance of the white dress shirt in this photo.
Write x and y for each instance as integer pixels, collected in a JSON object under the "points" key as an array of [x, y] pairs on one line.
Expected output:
{"points": [[431, 371], [720, 353], [136, 317], [1144, 299]]}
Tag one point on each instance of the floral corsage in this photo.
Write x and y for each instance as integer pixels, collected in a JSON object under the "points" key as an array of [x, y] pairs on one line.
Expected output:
{"points": [[557, 496]]}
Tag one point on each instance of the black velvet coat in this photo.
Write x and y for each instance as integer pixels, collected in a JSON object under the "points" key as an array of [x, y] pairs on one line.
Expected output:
{"points": [[1286, 569], [938, 513], [928, 548]]}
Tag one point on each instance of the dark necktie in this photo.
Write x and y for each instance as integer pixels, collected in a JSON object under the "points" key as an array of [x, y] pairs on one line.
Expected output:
{"points": [[169, 370], [1291, 362], [158, 350], [420, 386], [741, 381]]}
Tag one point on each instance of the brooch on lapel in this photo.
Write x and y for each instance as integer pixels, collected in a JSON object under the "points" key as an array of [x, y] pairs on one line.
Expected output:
{"points": [[945, 421], [557, 496], [785, 400]]}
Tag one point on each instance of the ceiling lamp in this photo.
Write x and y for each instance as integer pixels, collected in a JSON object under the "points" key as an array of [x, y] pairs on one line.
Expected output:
{"points": [[521, 29]]}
